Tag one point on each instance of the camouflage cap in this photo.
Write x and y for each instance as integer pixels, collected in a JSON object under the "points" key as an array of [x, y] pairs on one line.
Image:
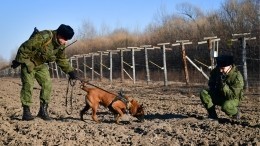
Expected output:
{"points": [[224, 60], [65, 31]]}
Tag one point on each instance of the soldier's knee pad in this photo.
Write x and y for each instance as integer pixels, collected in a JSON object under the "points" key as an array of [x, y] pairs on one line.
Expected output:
{"points": [[229, 107]]}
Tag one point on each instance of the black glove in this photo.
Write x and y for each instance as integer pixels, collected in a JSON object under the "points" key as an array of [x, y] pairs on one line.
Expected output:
{"points": [[72, 75], [222, 79], [15, 64]]}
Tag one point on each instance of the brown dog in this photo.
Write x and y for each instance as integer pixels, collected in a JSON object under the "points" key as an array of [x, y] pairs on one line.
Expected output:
{"points": [[117, 104]]}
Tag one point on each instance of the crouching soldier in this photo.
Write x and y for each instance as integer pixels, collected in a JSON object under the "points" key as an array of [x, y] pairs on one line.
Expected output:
{"points": [[225, 88], [42, 47]]}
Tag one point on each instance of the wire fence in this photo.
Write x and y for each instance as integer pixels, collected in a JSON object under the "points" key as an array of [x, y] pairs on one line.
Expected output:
{"points": [[179, 62]]}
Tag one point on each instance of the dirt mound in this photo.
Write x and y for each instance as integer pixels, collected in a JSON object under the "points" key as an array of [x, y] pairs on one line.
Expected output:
{"points": [[174, 116]]}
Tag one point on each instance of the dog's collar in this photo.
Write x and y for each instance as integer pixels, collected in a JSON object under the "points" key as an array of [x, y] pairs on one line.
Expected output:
{"points": [[122, 98]]}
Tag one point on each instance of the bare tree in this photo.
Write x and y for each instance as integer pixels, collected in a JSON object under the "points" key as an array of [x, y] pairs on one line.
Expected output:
{"points": [[104, 30], [3, 62], [88, 31], [195, 17], [240, 15], [190, 11]]}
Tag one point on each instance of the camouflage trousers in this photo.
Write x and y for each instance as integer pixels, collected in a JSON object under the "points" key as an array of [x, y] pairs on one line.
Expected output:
{"points": [[209, 99], [42, 76]]}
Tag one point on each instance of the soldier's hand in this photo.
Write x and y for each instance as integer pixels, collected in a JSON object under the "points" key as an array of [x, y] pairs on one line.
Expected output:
{"points": [[222, 79], [72, 75], [15, 64]]}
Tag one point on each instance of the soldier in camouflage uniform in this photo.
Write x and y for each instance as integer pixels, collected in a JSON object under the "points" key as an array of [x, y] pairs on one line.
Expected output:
{"points": [[42, 47], [225, 88]]}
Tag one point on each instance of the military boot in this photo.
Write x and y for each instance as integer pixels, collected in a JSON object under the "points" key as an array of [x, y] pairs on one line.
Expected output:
{"points": [[43, 112], [212, 113], [27, 116]]}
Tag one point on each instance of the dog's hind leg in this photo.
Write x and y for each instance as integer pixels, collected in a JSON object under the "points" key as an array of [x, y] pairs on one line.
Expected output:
{"points": [[117, 117], [94, 113], [84, 110]]}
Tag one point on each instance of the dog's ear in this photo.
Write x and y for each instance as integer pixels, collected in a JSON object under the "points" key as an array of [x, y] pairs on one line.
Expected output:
{"points": [[130, 99], [129, 105]]}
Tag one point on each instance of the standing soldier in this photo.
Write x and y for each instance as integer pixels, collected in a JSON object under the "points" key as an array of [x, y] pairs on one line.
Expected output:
{"points": [[42, 47], [225, 88]]}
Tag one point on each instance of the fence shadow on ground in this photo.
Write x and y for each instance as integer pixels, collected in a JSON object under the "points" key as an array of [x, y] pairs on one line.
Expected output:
{"points": [[164, 116]]}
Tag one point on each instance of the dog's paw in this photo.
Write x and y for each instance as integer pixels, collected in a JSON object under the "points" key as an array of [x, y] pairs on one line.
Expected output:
{"points": [[125, 122], [81, 117]]}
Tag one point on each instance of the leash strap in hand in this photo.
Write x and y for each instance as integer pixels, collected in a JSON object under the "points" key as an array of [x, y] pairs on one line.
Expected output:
{"points": [[72, 84]]}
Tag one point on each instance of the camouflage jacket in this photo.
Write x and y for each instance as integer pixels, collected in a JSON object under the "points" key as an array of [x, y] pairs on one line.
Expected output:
{"points": [[43, 47], [231, 87]]}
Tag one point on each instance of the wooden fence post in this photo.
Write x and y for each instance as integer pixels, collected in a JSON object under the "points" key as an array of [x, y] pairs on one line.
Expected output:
{"points": [[182, 43], [122, 63], [146, 47], [101, 65], [212, 48], [71, 60], [164, 61], [133, 49], [111, 52], [101, 53], [93, 65], [243, 40], [56, 69], [52, 69], [110, 66], [84, 65]]}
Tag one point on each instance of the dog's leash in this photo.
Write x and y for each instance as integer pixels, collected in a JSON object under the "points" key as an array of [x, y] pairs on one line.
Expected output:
{"points": [[82, 81], [72, 84]]}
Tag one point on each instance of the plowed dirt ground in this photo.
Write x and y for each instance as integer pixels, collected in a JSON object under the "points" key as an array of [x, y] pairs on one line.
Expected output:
{"points": [[173, 116]]}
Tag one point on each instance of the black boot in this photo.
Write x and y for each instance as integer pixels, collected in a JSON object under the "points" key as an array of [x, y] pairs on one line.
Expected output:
{"points": [[212, 113], [43, 112], [27, 116]]}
